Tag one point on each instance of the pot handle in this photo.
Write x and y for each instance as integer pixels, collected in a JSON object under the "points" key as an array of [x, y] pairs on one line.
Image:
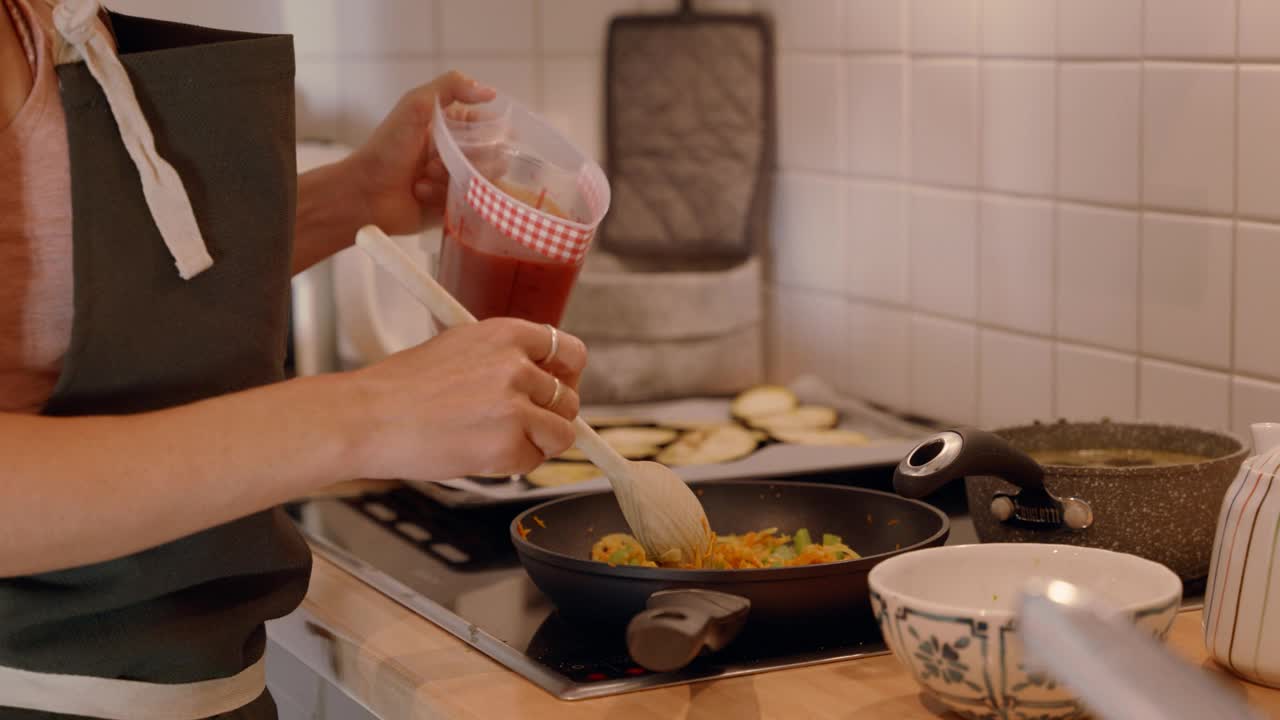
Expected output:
{"points": [[959, 453], [678, 624]]}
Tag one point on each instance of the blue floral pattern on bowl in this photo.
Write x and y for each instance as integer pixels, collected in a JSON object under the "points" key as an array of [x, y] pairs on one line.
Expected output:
{"points": [[974, 667]]}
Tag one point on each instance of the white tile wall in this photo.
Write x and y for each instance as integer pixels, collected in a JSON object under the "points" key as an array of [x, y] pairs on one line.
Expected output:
{"points": [[573, 100], [370, 88], [810, 331], [1018, 27], [578, 27], [385, 27], [1258, 153], [1186, 289], [807, 244], [875, 25], [494, 27], [944, 367], [1093, 384], [1190, 28], [810, 113], [875, 113], [1257, 299], [317, 99], [944, 27], [1259, 29], [810, 25], [1074, 193], [1017, 264], [944, 242], [877, 247], [1253, 401], [1189, 137], [944, 122], [1018, 121], [1098, 124], [1100, 28], [1016, 379], [1179, 394], [1097, 276], [879, 366]]}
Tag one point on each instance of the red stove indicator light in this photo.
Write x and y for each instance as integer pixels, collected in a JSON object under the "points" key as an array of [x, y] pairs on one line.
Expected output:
{"points": [[635, 671], [597, 677]]}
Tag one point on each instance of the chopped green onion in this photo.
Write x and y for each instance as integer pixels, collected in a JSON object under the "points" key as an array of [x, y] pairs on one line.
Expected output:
{"points": [[619, 556], [785, 552], [829, 539], [801, 539]]}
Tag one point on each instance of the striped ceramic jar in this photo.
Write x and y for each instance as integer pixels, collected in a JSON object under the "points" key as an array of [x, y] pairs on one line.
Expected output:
{"points": [[1242, 599]]}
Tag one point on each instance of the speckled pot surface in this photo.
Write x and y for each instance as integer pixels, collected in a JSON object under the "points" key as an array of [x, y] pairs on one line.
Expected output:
{"points": [[1165, 513]]}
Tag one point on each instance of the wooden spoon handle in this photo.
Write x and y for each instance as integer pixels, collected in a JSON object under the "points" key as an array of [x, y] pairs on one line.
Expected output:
{"points": [[392, 258], [451, 313]]}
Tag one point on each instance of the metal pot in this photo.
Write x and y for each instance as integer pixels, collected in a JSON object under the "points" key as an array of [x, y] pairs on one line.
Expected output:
{"points": [[1165, 513]]}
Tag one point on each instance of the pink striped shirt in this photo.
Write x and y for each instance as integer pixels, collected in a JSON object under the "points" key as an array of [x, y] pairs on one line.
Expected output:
{"points": [[35, 226]]}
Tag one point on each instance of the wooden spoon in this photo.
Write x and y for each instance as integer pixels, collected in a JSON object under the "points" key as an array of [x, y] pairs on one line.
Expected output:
{"points": [[664, 514]]}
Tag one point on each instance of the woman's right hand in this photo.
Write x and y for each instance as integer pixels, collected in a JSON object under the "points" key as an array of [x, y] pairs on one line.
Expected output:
{"points": [[472, 400]]}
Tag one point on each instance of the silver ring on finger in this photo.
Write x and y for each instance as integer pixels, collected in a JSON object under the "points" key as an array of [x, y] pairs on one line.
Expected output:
{"points": [[555, 395], [555, 346]]}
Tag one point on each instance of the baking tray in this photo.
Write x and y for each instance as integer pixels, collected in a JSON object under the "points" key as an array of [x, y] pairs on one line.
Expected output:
{"points": [[892, 438]]}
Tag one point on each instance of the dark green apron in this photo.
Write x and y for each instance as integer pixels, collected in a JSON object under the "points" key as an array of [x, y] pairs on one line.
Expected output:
{"points": [[220, 105]]}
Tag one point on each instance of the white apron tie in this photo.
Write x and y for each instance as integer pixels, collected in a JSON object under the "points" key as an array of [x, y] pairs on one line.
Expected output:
{"points": [[82, 36]]}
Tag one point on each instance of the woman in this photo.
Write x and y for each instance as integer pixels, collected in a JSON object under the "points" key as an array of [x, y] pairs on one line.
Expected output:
{"points": [[143, 434]]}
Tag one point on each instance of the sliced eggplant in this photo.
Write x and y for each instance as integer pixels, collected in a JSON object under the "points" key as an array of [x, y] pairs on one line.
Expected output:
{"points": [[638, 436], [822, 438], [554, 474], [630, 452], [763, 400], [690, 425], [805, 417], [720, 444]]}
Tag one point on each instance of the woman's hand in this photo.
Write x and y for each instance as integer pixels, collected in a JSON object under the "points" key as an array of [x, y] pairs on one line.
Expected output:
{"points": [[472, 400], [398, 172]]}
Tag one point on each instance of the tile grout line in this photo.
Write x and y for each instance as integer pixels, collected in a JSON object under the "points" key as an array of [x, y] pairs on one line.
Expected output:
{"points": [[1054, 390], [905, 159], [1235, 229], [1026, 334], [1029, 197], [539, 62], [979, 100], [1142, 159]]}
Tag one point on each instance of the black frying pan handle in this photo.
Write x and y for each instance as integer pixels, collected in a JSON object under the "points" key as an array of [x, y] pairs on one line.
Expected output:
{"points": [[680, 623], [959, 453]]}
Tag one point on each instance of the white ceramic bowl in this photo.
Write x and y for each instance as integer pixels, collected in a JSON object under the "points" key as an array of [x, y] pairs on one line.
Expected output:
{"points": [[948, 614]]}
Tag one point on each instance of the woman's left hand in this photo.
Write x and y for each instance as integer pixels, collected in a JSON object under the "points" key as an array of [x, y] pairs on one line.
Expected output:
{"points": [[397, 171]]}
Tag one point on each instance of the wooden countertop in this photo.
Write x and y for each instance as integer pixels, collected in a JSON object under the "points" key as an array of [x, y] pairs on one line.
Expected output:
{"points": [[402, 666]]}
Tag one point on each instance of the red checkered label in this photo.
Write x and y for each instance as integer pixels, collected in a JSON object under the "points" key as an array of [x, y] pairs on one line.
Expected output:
{"points": [[541, 232]]}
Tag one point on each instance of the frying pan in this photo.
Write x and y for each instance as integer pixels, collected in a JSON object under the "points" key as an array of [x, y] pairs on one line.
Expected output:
{"points": [[673, 615], [1165, 513]]}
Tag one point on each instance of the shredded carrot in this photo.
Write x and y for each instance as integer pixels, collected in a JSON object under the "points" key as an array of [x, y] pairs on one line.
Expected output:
{"points": [[541, 196], [892, 522], [524, 531], [539, 521]]}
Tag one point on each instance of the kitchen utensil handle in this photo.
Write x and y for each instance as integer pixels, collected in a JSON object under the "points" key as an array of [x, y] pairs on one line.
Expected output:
{"points": [[451, 313], [679, 624], [392, 258], [961, 453]]}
